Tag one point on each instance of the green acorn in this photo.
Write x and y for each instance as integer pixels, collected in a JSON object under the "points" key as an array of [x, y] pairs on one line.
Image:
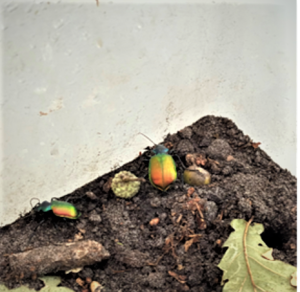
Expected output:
{"points": [[196, 176], [126, 185]]}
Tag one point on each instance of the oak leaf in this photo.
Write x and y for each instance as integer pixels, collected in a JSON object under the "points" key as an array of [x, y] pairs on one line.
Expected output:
{"points": [[51, 283], [247, 263]]}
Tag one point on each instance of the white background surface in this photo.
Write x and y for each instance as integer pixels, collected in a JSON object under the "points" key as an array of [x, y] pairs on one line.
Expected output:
{"points": [[80, 81]]}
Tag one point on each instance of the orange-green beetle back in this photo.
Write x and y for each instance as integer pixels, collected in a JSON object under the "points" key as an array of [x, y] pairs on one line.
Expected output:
{"points": [[162, 168]]}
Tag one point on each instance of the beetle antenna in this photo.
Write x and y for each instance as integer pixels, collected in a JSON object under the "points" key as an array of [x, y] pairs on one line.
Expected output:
{"points": [[147, 138], [33, 199]]}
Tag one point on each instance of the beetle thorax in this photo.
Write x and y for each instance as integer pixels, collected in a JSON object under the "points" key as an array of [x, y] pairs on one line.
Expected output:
{"points": [[160, 149], [45, 207]]}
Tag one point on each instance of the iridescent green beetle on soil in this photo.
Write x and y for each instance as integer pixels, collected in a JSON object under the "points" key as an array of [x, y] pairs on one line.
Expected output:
{"points": [[162, 167], [59, 208]]}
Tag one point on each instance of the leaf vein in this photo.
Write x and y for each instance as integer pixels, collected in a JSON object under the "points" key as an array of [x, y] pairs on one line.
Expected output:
{"points": [[267, 267]]}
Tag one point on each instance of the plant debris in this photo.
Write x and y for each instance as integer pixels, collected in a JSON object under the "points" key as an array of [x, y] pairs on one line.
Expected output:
{"points": [[126, 185], [96, 287], [248, 263], [50, 285], [180, 278], [53, 258], [154, 221]]}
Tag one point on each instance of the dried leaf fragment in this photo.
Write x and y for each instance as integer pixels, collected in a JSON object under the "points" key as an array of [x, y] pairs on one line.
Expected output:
{"points": [[91, 195], [83, 231], [107, 185], [169, 145], [190, 191], [195, 159], [168, 240], [179, 218], [80, 282], [180, 278], [196, 204], [180, 267], [154, 221], [78, 236], [230, 158], [188, 244], [96, 286], [200, 160], [75, 271], [255, 145]]}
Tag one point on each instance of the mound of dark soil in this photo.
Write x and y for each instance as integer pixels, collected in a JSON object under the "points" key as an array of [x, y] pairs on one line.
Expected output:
{"points": [[163, 257]]}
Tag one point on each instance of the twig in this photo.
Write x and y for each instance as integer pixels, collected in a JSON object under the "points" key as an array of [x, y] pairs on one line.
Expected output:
{"points": [[53, 258], [195, 235]]}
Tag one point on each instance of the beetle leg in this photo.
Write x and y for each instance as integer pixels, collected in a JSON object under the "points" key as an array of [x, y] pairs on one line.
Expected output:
{"points": [[175, 155], [182, 181]]}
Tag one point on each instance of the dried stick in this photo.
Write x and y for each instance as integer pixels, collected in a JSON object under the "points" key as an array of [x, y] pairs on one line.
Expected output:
{"points": [[52, 258]]}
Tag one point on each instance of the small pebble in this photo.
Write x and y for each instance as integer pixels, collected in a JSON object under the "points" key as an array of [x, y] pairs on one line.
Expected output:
{"points": [[94, 217], [86, 273], [219, 149], [91, 195], [163, 216], [185, 147], [211, 211], [186, 133], [155, 202]]}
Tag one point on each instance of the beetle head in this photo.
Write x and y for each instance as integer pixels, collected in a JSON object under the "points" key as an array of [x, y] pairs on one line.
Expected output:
{"points": [[45, 206], [160, 149]]}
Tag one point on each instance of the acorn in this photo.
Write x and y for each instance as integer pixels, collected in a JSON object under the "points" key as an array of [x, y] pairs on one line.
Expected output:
{"points": [[196, 176], [126, 185]]}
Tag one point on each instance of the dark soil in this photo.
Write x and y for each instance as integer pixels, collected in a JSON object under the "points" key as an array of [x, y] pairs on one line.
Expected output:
{"points": [[144, 257]]}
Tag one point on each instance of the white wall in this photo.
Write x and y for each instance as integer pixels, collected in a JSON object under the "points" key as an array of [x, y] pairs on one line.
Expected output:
{"points": [[80, 81]]}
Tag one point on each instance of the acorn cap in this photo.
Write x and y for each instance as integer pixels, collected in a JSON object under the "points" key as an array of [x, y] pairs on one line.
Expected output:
{"points": [[125, 185]]}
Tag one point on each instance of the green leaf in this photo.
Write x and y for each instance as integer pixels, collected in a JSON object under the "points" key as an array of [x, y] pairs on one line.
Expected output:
{"points": [[248, 264], [51, 283], [50, 286]]}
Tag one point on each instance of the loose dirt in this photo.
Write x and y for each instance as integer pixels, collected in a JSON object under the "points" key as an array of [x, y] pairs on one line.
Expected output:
{"points": [[178, 251]]}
